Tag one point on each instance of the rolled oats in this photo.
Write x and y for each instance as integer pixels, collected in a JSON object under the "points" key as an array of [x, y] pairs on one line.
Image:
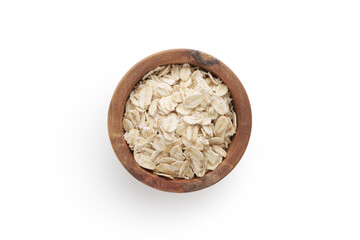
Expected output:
{"points": [[179, 121]]}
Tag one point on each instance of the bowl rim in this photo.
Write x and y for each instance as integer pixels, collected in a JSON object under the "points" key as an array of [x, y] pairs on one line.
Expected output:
{"points": [[206, 62]]}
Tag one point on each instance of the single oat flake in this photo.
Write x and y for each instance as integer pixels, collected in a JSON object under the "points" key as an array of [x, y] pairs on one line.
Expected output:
{"points": [[179, 121]]}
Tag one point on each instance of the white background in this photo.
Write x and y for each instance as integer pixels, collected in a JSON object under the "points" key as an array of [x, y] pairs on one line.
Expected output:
{"points": [[60, 62]]}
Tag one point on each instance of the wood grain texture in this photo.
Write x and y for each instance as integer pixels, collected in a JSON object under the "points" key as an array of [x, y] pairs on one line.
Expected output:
{"points": [[178, 56]]}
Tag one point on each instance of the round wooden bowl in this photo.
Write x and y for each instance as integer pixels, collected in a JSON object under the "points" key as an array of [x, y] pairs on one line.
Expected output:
{"points": [[178, 56]]}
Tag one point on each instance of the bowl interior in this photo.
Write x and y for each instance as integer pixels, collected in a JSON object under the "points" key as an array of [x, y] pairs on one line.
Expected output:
{"points": [[206, 62]]}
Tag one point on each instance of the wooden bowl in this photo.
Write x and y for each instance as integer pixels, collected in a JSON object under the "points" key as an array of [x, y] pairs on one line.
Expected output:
{"points": [[178, 56]]}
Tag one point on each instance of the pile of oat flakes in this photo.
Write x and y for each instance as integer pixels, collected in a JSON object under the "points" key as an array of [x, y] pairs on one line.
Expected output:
{"points": [[179, 121]]}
